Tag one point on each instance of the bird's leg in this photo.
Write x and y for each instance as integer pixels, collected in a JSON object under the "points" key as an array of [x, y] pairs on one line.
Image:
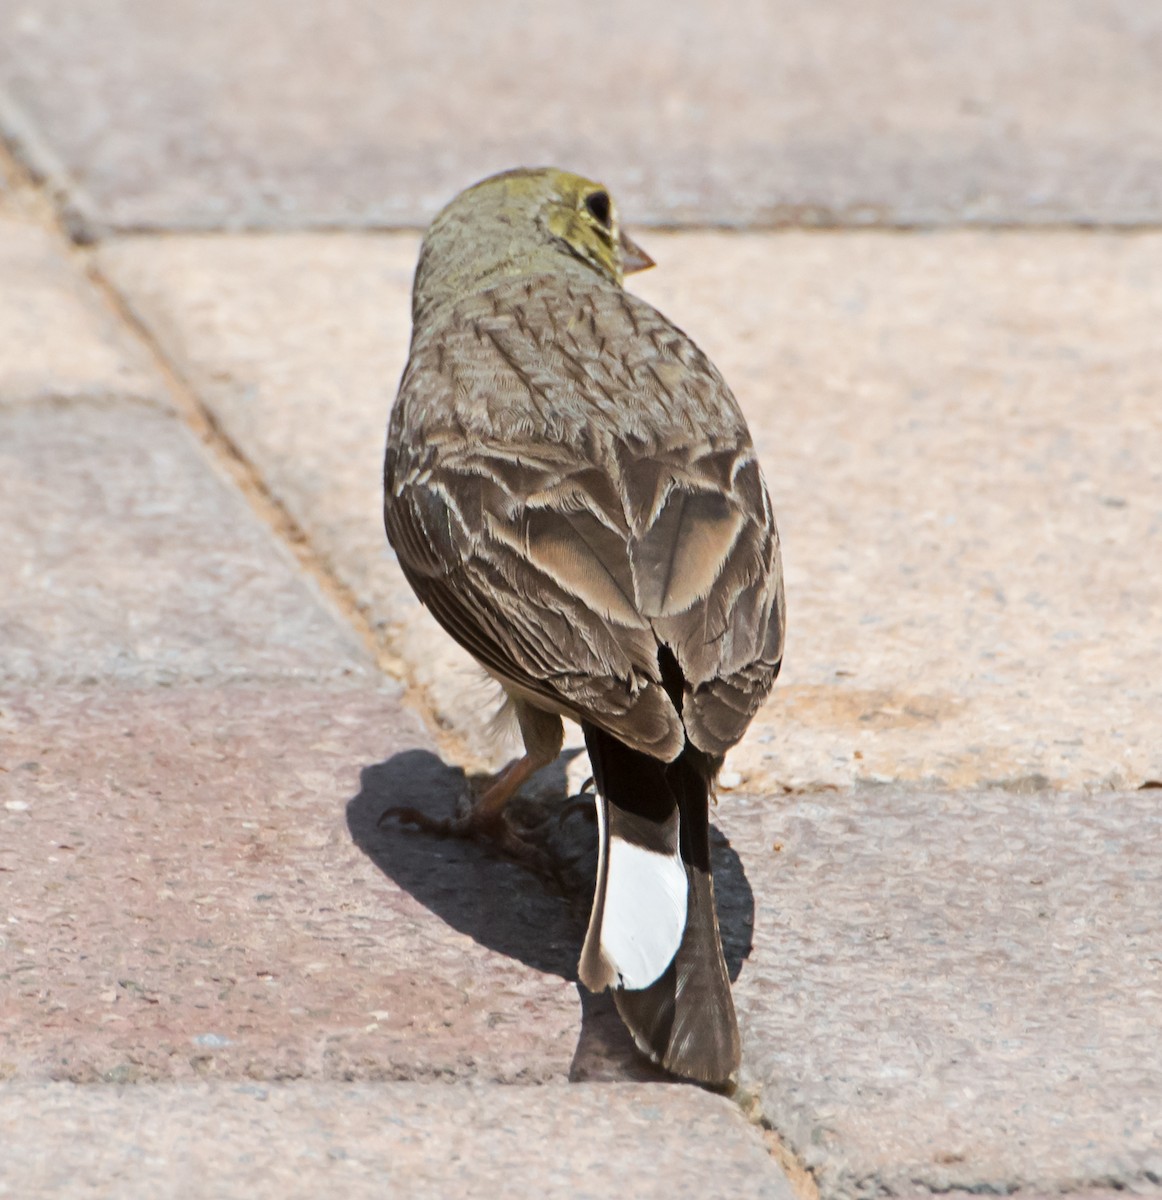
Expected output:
{"points": [[543, 735], [487, 810]]}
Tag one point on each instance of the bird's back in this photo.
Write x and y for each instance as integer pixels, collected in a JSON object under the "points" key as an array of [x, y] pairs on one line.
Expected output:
{"points": [[559, 437]]}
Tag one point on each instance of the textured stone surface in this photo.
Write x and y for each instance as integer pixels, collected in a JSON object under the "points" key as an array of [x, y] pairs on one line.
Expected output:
{"points": [[187, 113], [193, 885], [126, 555], [956, 989], [945, 989], [387, 1140], [961, 433], [297, 347], [56, 339]]}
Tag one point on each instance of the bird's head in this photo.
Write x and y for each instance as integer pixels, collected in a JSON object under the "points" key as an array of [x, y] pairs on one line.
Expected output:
{"points": [[582, 217], [523, 222]]}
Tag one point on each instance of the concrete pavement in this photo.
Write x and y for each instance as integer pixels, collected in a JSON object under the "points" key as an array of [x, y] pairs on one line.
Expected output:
{"points": [[164, 114], [941, 850]]}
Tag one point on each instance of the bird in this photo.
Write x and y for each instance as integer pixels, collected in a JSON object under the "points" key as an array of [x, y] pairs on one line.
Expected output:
{"points": [[571, 489]]}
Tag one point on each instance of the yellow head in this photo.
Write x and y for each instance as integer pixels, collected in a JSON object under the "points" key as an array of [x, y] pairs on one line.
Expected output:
{"points": [[522, 222]]}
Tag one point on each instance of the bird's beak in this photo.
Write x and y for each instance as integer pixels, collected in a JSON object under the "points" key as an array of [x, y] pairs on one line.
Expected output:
{"points": [[633, 257]]}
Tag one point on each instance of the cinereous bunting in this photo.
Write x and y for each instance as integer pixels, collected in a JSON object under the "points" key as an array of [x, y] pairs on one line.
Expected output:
{"points": [[571, 489]]}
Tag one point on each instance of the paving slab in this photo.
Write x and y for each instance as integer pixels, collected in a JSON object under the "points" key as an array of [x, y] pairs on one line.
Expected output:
{"points": [[960, 431], [56, 339], [129, 556], [370, 1141], [194, 886], [956, 990], [176, 113], [963, 438]]}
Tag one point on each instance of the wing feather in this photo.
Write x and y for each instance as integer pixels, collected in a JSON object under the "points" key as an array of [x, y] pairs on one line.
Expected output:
{"points": [[564, 511]]}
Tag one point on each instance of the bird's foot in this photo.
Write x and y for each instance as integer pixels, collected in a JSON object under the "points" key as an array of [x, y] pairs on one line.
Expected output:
{"points": [[479, 822]]}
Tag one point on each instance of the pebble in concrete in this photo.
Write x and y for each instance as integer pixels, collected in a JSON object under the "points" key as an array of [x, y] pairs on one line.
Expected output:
{"points": [[235, 1142], [289, 113]]}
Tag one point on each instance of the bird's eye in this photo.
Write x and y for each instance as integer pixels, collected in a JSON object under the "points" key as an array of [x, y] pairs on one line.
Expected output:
{"points": [[599, 207]]}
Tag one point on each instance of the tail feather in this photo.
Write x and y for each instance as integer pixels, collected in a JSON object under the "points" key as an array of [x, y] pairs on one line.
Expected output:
{"points": [[653, 934], [639, 910], [685, 1021]]}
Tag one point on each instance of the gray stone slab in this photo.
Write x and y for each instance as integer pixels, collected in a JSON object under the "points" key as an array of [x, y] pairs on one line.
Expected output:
{"points": [[374, 1141], [956, 990], [56, 338], [193, 885], [961, 434], [178, 114], [127, 556]]}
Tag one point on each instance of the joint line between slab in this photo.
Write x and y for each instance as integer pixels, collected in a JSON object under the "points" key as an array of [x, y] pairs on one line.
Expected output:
{"points": [[206, 427], [269, 508], [36, 187], [87, 230], [799, 1176]]}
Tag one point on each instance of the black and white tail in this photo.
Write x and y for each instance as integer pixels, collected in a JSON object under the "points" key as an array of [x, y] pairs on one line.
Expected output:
{"points": [[653, 933]]}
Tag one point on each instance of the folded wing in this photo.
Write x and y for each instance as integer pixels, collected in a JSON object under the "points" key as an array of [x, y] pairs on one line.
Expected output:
{"points": [[593, 496]]}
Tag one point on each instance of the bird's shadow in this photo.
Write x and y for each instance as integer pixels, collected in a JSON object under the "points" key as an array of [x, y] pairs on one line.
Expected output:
{"points": [[507, 908]]}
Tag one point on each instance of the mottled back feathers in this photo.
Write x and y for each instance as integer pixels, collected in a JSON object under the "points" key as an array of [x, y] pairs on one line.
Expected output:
{"points": [[569, 485]]}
